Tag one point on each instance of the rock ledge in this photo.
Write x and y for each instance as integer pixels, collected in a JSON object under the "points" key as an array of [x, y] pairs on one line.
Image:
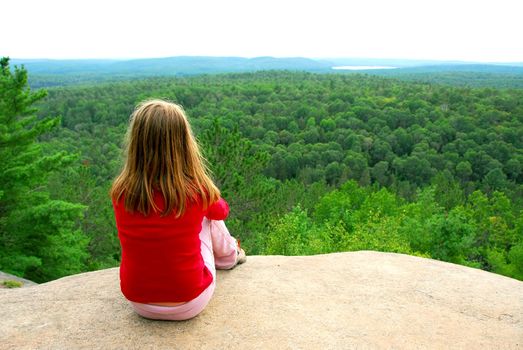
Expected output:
{"points": [[349, 300]]}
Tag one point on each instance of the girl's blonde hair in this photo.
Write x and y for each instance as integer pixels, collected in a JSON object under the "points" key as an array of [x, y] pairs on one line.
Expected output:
{"points": [[163, 155]]}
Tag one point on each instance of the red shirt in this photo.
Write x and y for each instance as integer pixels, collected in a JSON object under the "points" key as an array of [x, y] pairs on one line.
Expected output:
{"points": [[161, 256]]}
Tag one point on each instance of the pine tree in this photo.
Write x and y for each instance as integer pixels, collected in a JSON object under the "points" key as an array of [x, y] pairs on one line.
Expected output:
{"points": [[39, 238]]}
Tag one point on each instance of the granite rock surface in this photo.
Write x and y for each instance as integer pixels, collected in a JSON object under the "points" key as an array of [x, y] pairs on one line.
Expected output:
{"points": [[353, 300]]}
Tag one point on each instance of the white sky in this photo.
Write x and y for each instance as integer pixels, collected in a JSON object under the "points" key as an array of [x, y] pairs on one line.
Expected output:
{"points": [[417, 29]]}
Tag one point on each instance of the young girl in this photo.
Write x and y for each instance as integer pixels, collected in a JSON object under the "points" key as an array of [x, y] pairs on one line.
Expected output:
{"points": [[169, 216]]}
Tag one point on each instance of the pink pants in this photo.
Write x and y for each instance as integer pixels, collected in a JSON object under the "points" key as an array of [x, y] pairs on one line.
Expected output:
{"points": [[218, 250]]}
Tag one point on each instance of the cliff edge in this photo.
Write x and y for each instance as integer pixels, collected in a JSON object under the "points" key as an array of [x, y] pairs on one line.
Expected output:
{"points": [[348, 300]]}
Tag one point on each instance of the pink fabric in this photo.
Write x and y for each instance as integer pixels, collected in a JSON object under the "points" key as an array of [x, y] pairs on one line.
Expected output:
{"points": [[218, 249]]}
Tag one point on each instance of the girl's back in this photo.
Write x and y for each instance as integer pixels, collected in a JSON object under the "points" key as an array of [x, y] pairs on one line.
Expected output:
{"points": [[160, 200]]}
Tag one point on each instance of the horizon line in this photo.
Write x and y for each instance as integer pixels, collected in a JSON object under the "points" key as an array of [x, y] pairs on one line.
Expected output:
{"points": [[263, 56]]}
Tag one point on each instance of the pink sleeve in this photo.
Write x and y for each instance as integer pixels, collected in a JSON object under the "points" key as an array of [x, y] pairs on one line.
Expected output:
{"points": [[218, 210]]}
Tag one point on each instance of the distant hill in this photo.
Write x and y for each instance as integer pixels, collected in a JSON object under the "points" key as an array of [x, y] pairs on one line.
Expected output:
{"points": [[439, 68], [469, 75], [47, 72], [180, 65]]}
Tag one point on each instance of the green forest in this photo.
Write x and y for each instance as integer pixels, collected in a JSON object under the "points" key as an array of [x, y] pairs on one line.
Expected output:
{"points": [[310, 163]]}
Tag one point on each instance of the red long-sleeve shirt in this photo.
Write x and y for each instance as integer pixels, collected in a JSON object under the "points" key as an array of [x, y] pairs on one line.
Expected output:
{"points": [[161, 256]]}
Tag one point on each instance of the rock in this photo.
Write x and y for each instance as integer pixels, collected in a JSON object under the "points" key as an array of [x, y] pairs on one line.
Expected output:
{"points": [[8, 277], [358, 300]]}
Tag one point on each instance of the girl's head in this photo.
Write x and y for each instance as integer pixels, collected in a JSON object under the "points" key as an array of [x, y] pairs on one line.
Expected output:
{"points": [[162, 154]]}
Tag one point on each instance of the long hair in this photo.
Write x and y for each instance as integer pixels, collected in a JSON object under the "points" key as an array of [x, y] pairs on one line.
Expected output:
{"points": [[162, 154]]}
